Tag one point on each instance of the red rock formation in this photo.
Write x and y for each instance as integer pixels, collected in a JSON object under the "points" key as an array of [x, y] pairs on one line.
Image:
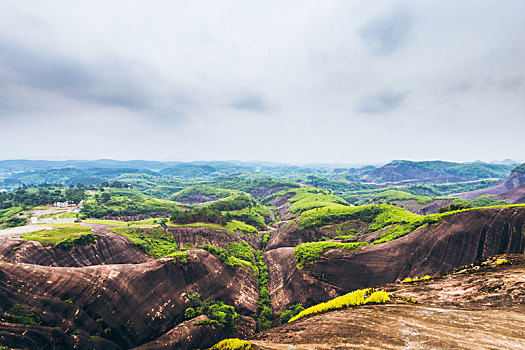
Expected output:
{"points": [[457, 240], [136, 302]]}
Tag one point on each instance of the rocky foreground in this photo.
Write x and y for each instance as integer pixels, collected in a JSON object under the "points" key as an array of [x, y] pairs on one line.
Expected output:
{"points": [[479, 307]]}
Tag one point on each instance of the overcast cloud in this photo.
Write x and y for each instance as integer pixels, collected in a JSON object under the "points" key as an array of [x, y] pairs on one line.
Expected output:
{"points": [[290, 81]]}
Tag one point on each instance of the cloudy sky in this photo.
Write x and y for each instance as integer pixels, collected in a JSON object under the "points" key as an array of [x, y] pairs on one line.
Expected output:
{"points": [[290, 81]]}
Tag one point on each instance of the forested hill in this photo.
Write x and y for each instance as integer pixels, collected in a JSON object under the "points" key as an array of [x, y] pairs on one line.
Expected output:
{"points": [[437, 171]]}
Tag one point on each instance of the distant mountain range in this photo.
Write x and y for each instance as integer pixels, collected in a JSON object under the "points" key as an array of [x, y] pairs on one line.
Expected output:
{"points": [[29, 172]]}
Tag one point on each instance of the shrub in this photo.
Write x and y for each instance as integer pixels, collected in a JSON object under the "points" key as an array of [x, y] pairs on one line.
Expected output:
{"points": [[286, 315], [355, 298], [23, 315], [378, 297], [219, 313], [179, 258], [84, 239], [416, 279], [190, 313], [309, 252], [232, 344], [502, 261], [15, 221], [236, 255], [154, 242]]}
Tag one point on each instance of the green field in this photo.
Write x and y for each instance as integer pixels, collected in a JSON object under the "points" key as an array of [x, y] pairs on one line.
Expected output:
{"points": [[63, 236]]}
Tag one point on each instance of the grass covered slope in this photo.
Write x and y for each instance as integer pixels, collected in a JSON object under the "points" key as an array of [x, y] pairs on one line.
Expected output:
{"points": [[377, 215], [201, 193], [307, 198], [438, 171], [125, 202], [154, 242], [64, 236], [389, 222], [309, 252]]}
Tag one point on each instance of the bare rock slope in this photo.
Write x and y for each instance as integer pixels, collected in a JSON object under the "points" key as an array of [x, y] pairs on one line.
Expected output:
{"points": [[457, 240], [473, 308]]}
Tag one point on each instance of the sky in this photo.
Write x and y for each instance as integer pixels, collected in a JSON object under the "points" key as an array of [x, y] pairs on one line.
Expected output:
{"points": [[285, 81]]}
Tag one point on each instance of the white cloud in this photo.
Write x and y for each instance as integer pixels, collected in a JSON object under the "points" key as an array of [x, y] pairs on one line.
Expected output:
{"points": [[286, 81]]}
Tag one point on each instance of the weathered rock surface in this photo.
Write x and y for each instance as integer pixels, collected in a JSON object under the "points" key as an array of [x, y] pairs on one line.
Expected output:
{"points": [[133, 303], [457, 240], [196, 236], [109, 249], [474, 308], [289, 235], [187, 335]]}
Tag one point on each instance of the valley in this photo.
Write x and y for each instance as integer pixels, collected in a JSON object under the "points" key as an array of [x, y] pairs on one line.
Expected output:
{"points": [[191, 254]]}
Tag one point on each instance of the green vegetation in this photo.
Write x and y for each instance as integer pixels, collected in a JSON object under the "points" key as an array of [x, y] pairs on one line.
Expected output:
{"points": [[309, 252], [239, 213], [355, 298], [232, 344], [64, 236], [125, 202], [295, 310], [154, 242], [306, 198], [207, 193], [238, 226], [253, 216], [28, 198], [519, 169], [468, 171], [219, 313], [139, 223], [22, 314], [250, 185], [204, 214], [236, 255], [69, 215], [198, 224], [265, 238], [264, 305], [482, 201], [449, 188], [416, 279], [179, 258], [11, 217], [377, 215], [396, 195], [398, 221]]}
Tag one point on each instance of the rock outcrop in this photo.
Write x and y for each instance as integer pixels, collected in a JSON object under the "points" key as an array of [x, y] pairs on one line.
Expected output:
{"points": [[457, 240], [127, 304], [474, 308]]}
